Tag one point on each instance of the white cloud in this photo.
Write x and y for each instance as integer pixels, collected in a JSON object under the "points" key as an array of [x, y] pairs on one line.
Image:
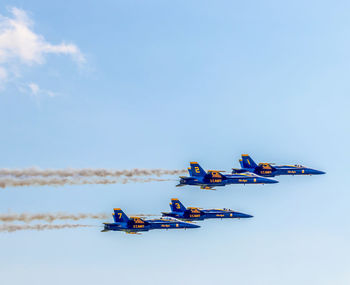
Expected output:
{"points": [[20, 45], [19, 41], [3, 74], [35, 90]]}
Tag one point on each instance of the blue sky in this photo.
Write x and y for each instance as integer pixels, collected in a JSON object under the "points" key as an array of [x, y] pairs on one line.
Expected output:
{"points": [[156, 84]]}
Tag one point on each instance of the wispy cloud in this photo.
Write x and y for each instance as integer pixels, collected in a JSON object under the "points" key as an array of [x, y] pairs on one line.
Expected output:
{"points": [[19, 41], [20, 45], [35, 90], [3, 74]]}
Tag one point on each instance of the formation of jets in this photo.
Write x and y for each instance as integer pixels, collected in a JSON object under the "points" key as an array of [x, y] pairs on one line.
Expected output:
{"points": [[181, 217], [212, 178], [249, 173], [133, 225]]}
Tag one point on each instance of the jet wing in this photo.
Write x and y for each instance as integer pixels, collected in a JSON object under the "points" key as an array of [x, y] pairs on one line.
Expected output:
{"points": [[239, 170], [207, 188], [187, 178]]}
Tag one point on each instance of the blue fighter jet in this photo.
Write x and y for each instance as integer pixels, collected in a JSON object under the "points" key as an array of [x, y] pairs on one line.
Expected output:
{"points": [[199, 177], [134, 225], [271, 170], [192, 214]]}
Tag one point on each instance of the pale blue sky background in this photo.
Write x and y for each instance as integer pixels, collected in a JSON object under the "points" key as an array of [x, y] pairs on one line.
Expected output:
{"points": [[165, 83]]}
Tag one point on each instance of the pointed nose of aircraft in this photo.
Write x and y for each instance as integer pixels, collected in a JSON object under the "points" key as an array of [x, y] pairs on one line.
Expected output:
{"points": [[242, 215], [267, 180], [192, 226], [314, 172]]}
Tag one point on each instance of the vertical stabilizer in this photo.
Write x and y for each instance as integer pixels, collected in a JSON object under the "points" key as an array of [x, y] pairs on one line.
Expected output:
{"points": [[119, 216], [176, 206], [247, 161], [197, 170]]}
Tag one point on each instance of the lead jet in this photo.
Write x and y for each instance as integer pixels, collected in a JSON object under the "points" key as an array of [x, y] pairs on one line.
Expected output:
{"points": [[179, 211], [135, 225], [198, 177], [271, 170]]}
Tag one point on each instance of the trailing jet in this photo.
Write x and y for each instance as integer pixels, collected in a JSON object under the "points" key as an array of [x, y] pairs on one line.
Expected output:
{"points": [[179, 211], [134, 225], [271, 170], [199, 177]]}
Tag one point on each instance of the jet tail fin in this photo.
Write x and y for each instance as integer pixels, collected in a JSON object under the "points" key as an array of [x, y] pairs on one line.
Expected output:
{"points": [[176, 206], [119, 216], [190, 171], [197, 170], [247, 161]]}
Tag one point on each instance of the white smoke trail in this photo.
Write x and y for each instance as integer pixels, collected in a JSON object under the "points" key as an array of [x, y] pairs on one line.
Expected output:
{"points": [[50, 217], [87, 172], [60, 181], [39, 227]]}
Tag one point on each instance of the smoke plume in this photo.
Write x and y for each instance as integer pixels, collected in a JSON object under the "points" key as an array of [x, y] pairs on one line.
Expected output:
{"points": [[50, 217], [60, 181], [87, 172], [39, 227]]}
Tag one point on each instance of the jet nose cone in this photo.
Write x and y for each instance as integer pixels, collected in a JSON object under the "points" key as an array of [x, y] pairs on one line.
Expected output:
{"points": [[193, 226], [311, 171], [269, 181], [318, 172], [242, 215]]}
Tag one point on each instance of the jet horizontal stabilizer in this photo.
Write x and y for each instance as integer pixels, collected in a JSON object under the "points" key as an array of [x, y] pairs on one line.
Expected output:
{"points": [[207, 188], [187, 178], [238, 170]]}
